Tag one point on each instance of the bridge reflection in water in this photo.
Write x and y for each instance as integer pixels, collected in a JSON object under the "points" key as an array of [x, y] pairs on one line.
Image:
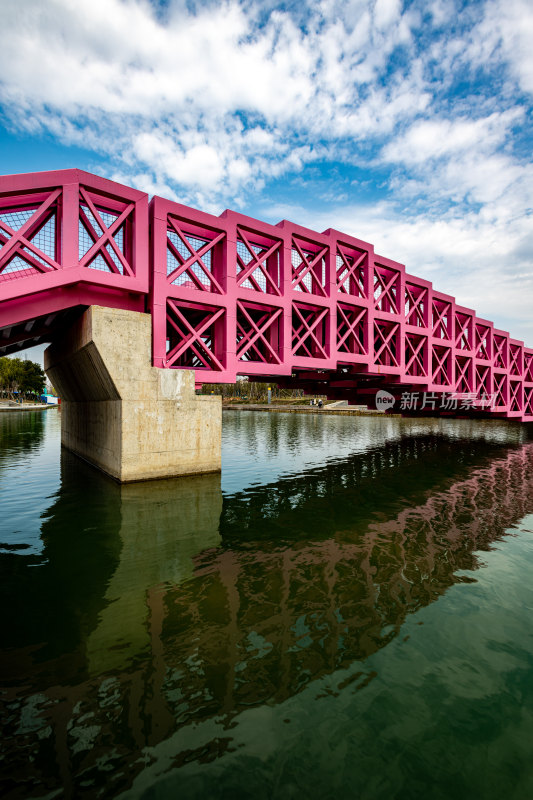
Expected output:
{"points": [[180, 608]]}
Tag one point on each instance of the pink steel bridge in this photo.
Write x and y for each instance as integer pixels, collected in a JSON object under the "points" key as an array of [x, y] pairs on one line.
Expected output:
{"points": [[231, 295]]}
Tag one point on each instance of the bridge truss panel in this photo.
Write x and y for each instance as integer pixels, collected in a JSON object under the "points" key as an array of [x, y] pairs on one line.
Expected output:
{"points": [[68, 227]]}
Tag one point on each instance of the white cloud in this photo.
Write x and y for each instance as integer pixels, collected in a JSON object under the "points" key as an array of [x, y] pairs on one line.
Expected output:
{"points": [[386, 12], [212, 105], [116, 70], [200, 165], [506, 34], [463, 160], [436, 138], [485, 264]]}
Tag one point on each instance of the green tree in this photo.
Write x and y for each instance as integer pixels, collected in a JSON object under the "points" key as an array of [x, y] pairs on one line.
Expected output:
{"points": [[20, 377], [32, 378]]}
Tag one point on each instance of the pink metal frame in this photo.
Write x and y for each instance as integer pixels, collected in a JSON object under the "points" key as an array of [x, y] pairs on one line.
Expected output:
{"points": [[68, 238], [231, 295]]}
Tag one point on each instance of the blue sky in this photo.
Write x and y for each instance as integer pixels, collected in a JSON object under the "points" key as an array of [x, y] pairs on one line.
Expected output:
{"points": [[405, 124]]}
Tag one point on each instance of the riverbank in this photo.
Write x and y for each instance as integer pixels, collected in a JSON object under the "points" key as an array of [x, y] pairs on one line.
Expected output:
{"points": [[27, 406], [341, 411]]}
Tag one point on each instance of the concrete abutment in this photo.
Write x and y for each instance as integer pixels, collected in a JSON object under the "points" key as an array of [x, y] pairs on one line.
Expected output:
{"points": [[132, 420]]}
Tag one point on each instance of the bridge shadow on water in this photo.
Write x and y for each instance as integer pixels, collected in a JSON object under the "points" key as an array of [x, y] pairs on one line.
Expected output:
{"points": [[156, 607]]}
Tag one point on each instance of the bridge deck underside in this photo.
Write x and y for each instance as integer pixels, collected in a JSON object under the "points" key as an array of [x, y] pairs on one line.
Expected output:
{"points": [[37, 330], [231, 295]]}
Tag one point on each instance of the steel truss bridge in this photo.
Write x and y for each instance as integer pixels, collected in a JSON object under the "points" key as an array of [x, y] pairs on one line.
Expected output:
{"points": [[232, 295]]}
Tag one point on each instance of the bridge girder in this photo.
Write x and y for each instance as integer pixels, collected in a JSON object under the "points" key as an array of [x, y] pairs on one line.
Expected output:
{"points": [[231, 295]]}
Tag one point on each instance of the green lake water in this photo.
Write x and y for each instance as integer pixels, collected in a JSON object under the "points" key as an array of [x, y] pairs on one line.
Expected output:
{"points": [[346, 612]]}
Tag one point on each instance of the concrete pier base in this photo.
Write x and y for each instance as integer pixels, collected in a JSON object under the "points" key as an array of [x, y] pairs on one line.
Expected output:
{"points": [[132, 420]]}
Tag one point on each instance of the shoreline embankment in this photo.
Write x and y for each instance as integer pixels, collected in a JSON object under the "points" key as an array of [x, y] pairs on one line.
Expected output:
{"points": [[341, 411], [27, 406]]}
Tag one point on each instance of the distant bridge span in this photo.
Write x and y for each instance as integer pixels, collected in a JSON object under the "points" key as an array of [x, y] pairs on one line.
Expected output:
{"points": [[231, 295]]}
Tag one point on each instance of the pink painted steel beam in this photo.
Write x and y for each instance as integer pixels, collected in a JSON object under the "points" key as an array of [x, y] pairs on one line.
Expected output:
{"points": [[232, 295]]}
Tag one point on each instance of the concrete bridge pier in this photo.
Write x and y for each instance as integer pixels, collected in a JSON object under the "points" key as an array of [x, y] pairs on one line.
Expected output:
{"points": [[131, 420]]}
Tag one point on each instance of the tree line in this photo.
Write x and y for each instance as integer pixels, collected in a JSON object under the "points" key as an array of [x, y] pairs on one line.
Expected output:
{"points": [[252, 391], [20, 378]]}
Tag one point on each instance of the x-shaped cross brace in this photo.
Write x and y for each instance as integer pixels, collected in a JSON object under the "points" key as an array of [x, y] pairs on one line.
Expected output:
{"points": [[440, 326], [440, 369], [106, 239], [196, 257], [351, 329], [499, 355], [528, 367], [347, 271], [386, 287], [385, 343], [416, 306], [193, 341], [257, 331], [528, 400], [21, 239], [416, 354], [482, 338], [309, 332], [514, 387], [460, 342], [499, 386], [305, 266], [463, 375], [482, 375], [514, 354], [258, 262]]}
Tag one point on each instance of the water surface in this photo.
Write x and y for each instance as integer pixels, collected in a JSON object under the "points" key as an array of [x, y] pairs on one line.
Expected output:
{"points": [[345, 613]]}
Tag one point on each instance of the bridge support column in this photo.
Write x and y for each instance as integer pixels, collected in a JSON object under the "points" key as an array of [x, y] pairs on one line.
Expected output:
{"points": [[132, 420]]}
